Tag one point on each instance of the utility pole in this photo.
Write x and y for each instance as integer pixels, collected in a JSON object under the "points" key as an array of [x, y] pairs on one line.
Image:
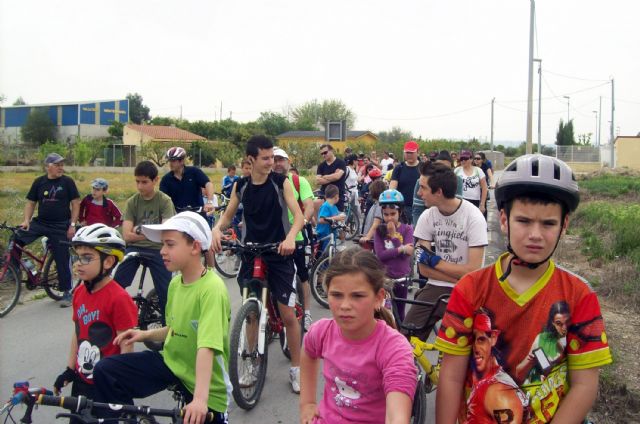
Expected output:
{"points": [[230, 115], [599, 121], [595, 134], [568, 100], [530, 85], [492, 102], [539, 104], [181, 112], [221, 110], [613, 108]]}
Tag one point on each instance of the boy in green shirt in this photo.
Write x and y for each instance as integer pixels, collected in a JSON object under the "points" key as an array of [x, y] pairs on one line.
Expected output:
{"points": [[196, 337]]}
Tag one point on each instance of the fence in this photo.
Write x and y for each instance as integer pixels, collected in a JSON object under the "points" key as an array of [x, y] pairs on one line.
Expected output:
{"points": [[578, 153]]}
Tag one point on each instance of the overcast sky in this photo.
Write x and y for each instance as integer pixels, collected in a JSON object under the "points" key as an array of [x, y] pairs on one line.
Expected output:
{"points": [[428, 66]]}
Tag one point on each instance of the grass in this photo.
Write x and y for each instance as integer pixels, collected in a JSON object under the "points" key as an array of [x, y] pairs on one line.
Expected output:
{"points": [[611, 185]]}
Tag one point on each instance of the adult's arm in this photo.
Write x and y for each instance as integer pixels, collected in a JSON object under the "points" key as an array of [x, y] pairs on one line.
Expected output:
{"points": [[584, 388], [288, 246], [75, 211], [129, 234], [29, 208], [476, 257], [209, 192], [484, 190], [450, 385], [335, 176]]}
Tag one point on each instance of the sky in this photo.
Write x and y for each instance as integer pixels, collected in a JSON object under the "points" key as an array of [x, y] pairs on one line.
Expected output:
{"points": [[428, 66]]}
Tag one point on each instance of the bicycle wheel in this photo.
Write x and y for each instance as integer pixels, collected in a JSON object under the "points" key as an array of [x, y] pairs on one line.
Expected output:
{"points": [[353, 226], [227, 263], [9, 289], [419, 408], [150, 317], [247, 367], [316, 279], [282, 336], [50, 282]]}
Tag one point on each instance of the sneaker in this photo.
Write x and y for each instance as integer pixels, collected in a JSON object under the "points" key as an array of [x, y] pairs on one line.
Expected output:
{"points": [[249, 378], [294, 378], [66, 300], [307, 321]]}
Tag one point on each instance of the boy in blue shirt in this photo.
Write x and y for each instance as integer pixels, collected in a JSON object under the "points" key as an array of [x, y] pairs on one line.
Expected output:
{"points": [[228, 180], [328, 210]]}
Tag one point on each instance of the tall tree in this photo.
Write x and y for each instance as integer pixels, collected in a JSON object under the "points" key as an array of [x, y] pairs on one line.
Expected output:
{"points": [[19, 101], [564, 136], [274, 124], [315, 114], [395, 134], [38, 128], [138, 112]]}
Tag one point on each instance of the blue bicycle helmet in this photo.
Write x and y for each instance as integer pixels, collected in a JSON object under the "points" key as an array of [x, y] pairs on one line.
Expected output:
{"points": [[391, 198]]}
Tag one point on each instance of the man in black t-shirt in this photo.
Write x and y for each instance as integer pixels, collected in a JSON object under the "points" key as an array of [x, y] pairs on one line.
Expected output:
{"points": [[405, 175], [58, 203], [331, 171]]}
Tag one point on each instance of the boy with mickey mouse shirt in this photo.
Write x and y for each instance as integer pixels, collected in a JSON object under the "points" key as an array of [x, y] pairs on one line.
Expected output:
{"points": [[101, 308]]}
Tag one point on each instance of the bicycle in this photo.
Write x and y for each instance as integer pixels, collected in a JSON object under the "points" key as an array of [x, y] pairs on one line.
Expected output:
{"points": [[428, 373], [227, 262], [82, 409], [255, 326], [39, 271], [149, 311], [319, 267], [352, 220]]}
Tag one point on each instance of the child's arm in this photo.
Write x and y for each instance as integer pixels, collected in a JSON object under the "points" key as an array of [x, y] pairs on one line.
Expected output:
{"points": [[68, 374], [197, 409], [584, 388], [449, 394], [309, 369], [381, 252], [398, 408], [126, 347], [129, 337]]}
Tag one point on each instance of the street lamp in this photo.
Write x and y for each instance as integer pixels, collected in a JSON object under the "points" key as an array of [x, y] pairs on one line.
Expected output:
{"points": [[568, 99], [595, 134]]}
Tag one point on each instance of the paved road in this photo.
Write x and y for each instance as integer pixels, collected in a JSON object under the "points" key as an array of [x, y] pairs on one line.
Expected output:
{"points": [[35, 338]]}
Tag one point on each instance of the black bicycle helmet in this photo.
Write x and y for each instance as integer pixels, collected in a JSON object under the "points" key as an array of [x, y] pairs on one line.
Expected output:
{"points": [[538, 174]]}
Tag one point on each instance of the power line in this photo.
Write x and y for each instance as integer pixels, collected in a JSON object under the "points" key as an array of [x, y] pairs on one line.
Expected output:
{"points": [[426, 117], [575, 78]]}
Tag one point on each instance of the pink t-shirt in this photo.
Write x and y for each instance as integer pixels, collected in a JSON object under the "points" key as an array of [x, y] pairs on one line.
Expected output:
{"points": [[359, 374]]}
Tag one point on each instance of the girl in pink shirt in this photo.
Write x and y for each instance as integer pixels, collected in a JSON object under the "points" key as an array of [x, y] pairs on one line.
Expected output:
{"points": [[368, 366]]}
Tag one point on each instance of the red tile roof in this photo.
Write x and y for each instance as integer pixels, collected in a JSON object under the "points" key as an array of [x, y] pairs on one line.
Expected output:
{"points": [[165, 132]]}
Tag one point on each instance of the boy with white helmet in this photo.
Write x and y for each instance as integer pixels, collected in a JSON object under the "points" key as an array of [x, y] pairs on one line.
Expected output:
{"points": [[523, 339], [196, 337], [101, 308]]}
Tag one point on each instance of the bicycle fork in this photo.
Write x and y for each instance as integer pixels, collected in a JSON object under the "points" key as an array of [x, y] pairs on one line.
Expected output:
{"points": [[420, 349]]}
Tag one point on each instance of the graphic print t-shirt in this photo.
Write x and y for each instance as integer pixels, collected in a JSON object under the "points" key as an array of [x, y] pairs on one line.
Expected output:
{"points": [[53, 197], [470, 183], [98, 317], [553, 327]]}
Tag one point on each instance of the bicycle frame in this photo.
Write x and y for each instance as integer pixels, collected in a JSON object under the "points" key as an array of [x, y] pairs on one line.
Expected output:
{"points": [[15, 253]]}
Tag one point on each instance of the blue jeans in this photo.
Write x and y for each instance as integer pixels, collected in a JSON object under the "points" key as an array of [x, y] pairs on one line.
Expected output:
{"points": [[161, 276]]}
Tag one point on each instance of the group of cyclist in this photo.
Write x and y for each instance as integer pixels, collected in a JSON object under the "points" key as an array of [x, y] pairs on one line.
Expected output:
{"points": [[490, 328]]}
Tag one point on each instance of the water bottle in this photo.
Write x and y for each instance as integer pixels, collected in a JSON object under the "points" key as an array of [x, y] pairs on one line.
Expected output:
{"points": [[30, 266]]}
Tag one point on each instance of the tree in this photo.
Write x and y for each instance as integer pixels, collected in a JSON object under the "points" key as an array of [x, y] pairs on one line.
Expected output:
{"points": [[138, 112], [564, 136], [38, 127], [116, 129], [314, 115], [19, 101], [584, 139], [2, 98], [274, 124], [395, 134]]}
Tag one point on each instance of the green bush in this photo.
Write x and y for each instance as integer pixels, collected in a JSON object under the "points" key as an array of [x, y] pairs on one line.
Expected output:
{"points": [[52, 147], [611, 185]]}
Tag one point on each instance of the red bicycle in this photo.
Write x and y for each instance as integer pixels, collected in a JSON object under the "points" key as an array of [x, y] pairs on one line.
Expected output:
{"points": [[38, 271]]}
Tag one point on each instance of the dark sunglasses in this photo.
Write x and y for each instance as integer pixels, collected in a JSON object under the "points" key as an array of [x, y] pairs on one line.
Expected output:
{"points": [[465, 158], [477, 158], [324, 153]]}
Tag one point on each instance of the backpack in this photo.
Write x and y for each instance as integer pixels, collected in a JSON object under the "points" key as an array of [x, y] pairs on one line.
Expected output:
{"points": [[296, 184]]}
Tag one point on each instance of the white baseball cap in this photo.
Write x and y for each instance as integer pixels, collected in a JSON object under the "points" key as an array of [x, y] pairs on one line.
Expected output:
{"points": [[279, 152], [188, 222]]}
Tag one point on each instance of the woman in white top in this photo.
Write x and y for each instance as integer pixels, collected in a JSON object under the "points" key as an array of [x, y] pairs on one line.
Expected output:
{"points": [[474, 181], [351, 184]]}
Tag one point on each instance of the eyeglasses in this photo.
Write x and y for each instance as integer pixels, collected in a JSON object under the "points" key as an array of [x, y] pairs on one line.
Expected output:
{"points": [[324, 153], [83, 259], [477, 158], [465, 158]]}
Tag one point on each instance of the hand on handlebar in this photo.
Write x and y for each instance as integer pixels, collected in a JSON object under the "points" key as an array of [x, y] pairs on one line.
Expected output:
{"points": [[216, 240], [287, 247], [24, 225], [195, 412], [67, 376], [129, 337]]}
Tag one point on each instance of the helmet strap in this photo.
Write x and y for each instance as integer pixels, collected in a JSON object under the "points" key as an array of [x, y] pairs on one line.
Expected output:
{"points": [[103, 273]]}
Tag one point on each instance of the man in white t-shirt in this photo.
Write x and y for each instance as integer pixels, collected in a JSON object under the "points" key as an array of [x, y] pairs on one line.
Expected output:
{"points": [[459, 232], [386, 162]]}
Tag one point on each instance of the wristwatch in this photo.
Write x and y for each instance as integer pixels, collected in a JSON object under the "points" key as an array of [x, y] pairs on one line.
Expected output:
{"points": [[73, 224], [138, 230]]}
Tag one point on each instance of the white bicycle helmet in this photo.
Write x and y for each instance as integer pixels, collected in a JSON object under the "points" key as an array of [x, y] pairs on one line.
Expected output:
{"points": [[102, 238], [538, 174], [176, 153]]}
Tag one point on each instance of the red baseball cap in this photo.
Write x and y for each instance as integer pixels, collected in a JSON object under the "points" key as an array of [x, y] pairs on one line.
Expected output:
{"points": [[375, 173], [411, 146]]}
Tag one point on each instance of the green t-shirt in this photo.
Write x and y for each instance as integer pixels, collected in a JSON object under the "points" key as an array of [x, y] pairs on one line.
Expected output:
{"points": [[198, 316], [305, 193], [152, 211]]}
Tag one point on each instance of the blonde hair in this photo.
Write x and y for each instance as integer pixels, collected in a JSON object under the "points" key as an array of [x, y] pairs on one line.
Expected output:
{"points": [[356, 260]]}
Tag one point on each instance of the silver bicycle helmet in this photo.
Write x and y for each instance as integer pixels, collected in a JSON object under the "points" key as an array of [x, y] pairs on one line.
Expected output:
{"points": [[102, 238], [538, 174], [176, 153]]}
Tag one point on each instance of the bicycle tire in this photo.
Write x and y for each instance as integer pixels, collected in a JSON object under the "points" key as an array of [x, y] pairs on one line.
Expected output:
{"points": [[241, 361], [227, 265], [353, 226], [419, 407], [10, 287], [299, 307], [150, 317], [50, 282], [316, 279]]}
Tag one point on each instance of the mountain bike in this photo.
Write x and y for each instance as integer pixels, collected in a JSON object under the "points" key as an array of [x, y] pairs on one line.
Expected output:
{"points": [[228, 261], [38, 271], [352, 220], [83, 409], [256, 324], [319, 267], [428, 373]]}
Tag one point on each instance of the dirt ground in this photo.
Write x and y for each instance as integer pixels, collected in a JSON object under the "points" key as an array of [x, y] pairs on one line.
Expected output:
{"points": [[619, 397]]}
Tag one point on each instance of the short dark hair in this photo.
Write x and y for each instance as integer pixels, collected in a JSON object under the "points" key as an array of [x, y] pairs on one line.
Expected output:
{"points": [[231, 168], [376, 188], [245, 162], [257, 143], [328, 146], [440, 177], [331, 191], [146, 168]]}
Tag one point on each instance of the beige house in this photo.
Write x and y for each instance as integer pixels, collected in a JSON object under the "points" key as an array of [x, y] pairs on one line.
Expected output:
{"points": [[137, 135], [627, 151]]}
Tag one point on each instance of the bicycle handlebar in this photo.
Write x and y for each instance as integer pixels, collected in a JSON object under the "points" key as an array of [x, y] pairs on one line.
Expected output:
{"points": [[250, 247]]}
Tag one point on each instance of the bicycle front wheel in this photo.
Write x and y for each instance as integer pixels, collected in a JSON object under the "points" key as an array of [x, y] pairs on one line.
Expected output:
{"points": [[9, 289], [227, 263], [316, 279], [50, 280], [353, 226], [150, 317], [247, 367], [419, 408]]}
